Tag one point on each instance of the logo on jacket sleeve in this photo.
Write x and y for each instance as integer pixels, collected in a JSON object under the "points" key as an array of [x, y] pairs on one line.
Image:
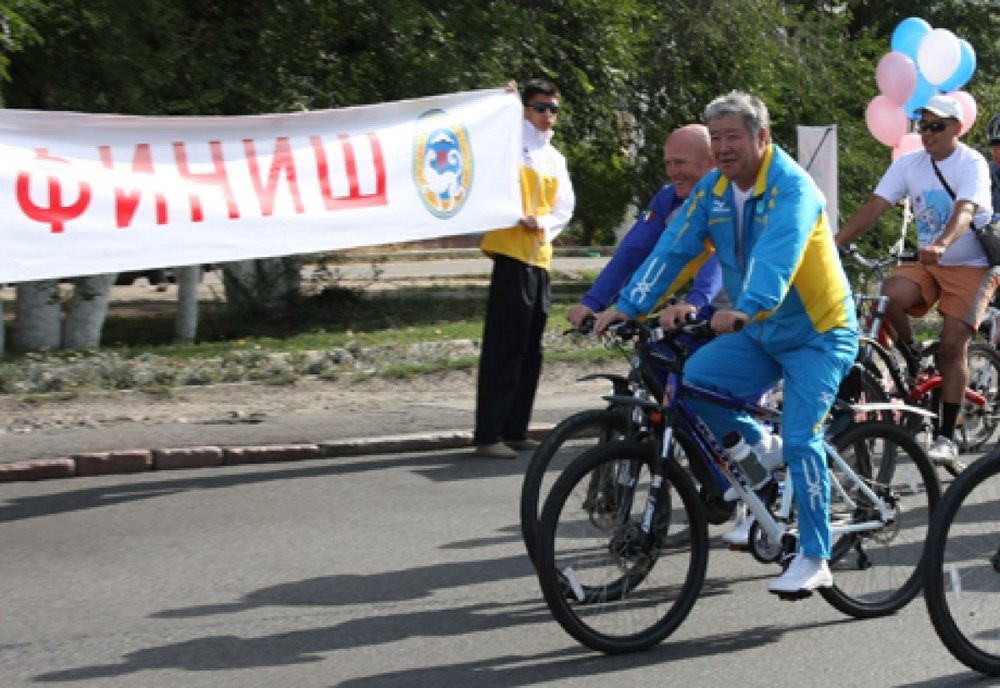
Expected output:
{"points": [[442, 163]]}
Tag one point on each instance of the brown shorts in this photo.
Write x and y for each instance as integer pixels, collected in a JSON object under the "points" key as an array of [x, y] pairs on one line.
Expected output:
{"points": [[964, 291]]}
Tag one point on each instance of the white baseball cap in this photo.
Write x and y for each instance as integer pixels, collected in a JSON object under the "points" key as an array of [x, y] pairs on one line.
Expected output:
{"points": [[943, 106]]}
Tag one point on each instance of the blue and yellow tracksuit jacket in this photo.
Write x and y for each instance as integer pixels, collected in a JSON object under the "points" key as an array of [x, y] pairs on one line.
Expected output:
{"points": [[781, 268]]}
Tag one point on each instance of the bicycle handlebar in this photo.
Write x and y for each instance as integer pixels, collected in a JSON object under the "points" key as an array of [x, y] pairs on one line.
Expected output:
{"points": [[586, 326], [652, 331], [630, 329], [876, 264]]}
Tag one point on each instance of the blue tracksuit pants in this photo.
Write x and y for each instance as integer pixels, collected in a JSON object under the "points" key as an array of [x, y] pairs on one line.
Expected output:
{"points": [[741, 365]]}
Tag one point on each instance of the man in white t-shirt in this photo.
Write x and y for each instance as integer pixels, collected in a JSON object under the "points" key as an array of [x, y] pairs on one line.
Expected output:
{"points": [[949, 186]]}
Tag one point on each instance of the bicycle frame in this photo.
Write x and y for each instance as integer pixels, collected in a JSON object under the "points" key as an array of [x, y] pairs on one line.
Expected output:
{"points": [[874, 337], [676, 411], [775, 529]]}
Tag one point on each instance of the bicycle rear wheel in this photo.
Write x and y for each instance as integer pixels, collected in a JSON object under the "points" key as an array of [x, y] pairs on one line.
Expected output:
{"points": [[878, 571], [602, 586], [570, 438], [978, 422], [962, 588]]}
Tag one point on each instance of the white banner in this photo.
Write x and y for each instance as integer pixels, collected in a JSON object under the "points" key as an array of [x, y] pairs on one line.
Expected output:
{"points": [[91, 194], [818, 154]]}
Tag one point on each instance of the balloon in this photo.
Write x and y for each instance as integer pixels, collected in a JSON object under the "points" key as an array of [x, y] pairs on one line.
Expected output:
{"points": [[908, 34], [965, 69], [938, 56], [896, 76], [908, 144], [886, 121], [921, 94], [969, 109]]}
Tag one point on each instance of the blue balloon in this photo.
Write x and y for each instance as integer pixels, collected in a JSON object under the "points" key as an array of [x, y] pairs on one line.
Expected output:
{"points": [[908, 34], [964, 70], [921, 94]]}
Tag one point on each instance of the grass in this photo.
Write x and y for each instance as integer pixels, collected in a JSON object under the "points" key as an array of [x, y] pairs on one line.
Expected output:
{"points": [[332, 318], [337, 317], [336, 332]]}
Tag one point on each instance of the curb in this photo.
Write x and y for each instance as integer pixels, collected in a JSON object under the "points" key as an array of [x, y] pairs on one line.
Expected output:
{"points": [[144, 460]]}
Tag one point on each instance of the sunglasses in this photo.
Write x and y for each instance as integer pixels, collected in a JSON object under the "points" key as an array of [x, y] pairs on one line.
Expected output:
{"points": [[542, 107], [937, 126]]}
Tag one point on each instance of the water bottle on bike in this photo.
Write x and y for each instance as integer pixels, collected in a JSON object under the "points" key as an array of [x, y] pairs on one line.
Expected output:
{"points": [[756, 466], [749, 461]]}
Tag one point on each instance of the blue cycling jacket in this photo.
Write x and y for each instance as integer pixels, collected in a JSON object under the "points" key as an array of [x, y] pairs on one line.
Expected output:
{"points": [[780, 267], [636, 247]]}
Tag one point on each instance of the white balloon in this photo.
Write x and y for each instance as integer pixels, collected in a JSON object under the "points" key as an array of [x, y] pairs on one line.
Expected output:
{"points": [[939, 55]]}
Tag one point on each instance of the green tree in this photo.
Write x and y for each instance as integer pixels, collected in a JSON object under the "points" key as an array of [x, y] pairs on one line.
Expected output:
{"points": [[629, 71]]}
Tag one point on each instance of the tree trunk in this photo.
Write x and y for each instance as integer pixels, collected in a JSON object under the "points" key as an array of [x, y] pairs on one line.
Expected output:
{"points": [[261, 287], [3, 331], [37, 317], [86, 312], [186, 324]]}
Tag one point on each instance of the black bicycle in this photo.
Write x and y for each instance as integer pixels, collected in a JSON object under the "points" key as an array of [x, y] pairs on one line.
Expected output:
{"points": [[626, 416], [962, 588]]}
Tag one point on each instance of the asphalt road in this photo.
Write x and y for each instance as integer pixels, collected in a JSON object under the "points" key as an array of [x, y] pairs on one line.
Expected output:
{"points": [[390, 571]]}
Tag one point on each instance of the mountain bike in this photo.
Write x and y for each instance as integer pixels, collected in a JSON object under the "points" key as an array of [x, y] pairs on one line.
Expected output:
{"points": [[962, 586], [620, 419], [622, 546]]}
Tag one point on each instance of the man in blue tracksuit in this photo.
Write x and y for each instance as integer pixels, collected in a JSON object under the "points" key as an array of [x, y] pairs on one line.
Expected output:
{"points": [[765, 220]]}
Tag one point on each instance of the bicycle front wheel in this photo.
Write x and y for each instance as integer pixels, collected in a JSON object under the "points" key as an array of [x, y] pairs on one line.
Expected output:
{"points": [[877, 569], [962, 588], [612, 587], [570, 438]]}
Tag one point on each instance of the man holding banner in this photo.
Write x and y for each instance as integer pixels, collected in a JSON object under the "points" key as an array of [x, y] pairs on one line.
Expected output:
{"points": [[517, 306]]}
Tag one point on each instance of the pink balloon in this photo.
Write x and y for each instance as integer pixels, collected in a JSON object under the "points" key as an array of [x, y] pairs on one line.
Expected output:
{"points": [[886, 120], [969, 109], [896, 76], [908, 144]]}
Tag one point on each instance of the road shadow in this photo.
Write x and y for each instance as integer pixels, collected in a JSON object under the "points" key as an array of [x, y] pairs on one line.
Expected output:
{"points": [[81, 494], [216, 653]]}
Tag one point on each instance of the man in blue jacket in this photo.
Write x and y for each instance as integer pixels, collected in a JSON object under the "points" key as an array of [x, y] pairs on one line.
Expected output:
{"points": [[687, 156], [765, 220]]}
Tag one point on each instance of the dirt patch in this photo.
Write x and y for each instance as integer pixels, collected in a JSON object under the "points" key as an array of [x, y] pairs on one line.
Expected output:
{"points": [[241, 401]]}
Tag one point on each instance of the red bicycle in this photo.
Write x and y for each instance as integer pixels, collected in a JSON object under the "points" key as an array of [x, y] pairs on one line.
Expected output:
{"points": [[912, 376]]}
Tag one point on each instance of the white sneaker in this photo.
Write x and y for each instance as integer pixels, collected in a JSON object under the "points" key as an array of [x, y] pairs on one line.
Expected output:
{"points": [[769, 451], [944, 452], [740, 535], [802, 576]]}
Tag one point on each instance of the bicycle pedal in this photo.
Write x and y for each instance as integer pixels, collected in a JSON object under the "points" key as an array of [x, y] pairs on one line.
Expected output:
{"points": [[793, 596]]}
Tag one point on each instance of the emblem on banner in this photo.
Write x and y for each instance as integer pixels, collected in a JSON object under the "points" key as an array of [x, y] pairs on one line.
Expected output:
{"points": [[442, 163]]}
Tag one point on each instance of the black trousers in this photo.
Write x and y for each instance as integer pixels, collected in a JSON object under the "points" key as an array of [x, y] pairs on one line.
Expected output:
{"points": [[510, 365]]}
